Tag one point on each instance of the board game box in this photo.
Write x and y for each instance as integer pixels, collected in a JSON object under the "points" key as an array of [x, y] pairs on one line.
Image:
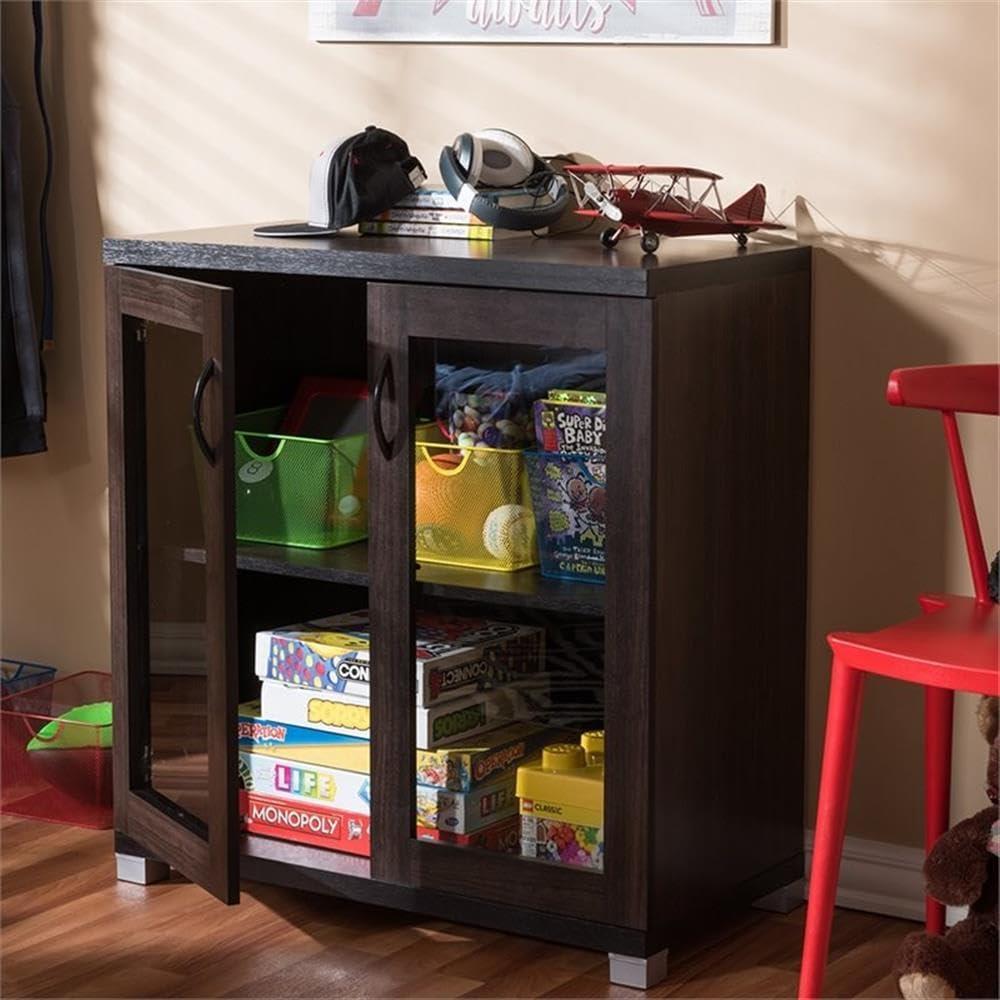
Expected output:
{"points": [[561, 804], [264, 736], [502, 837], [455, 657], [470, 717], [305, 780], [326, 711], [466, 812], [321, 654], [305, 823], [461, 768], [446, 722]]}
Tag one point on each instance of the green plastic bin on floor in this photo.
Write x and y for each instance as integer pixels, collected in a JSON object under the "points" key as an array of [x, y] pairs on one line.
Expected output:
{"points": [[298, 491]]}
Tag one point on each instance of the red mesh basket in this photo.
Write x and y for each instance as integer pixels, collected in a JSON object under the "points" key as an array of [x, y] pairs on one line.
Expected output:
{"points": [[61, 784]]}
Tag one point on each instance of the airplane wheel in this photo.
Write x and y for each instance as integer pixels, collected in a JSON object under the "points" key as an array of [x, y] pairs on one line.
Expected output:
{"points": [[741, 238], [650, 242], [610, 237]]}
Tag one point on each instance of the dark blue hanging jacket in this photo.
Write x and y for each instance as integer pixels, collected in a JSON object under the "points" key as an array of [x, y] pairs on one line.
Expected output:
{"points": [[23, 388]]}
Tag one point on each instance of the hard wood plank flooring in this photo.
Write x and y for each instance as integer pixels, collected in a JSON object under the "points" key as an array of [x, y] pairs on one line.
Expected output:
{"points": [[69, 929]]}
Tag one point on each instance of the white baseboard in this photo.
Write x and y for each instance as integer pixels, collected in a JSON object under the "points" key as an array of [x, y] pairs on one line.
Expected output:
{"points": [[177, 648], [878, 877]]}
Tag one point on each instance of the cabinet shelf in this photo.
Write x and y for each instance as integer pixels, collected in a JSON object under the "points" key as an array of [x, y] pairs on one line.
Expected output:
{"points": [[287, 852], [349, 564]]}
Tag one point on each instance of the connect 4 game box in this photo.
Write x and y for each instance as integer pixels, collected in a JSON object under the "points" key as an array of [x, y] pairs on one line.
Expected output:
{"points": [[455, 657]]}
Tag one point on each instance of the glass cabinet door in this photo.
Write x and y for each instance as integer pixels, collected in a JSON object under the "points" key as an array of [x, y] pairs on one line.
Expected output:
{"points": [[173, 616], [510, 474]]}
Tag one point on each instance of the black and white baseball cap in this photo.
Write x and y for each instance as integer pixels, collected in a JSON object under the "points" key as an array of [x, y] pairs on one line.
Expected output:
{"points": [[353, 179]]}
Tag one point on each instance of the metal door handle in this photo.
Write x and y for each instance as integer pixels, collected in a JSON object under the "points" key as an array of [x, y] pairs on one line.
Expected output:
{"points": [[207, 373], [385, 379]]}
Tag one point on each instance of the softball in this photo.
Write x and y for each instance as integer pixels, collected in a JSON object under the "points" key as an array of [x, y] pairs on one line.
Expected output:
{"points": [[509, 533]]}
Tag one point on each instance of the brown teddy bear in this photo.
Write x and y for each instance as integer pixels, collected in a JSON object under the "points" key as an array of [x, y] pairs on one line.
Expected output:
{"points": [[961, 870]]}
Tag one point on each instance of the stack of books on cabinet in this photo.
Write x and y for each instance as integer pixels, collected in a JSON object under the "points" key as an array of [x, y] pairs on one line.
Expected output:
{"points": [[432, 211], [304, 746]]}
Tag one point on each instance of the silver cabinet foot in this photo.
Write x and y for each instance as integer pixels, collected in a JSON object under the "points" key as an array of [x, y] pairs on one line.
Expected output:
{"points": [[640, 973], [141, 871], [784, 900]]}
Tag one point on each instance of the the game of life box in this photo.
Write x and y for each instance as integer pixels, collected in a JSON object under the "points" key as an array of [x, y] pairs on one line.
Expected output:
{"points": [[455, 657], [466, 812]]}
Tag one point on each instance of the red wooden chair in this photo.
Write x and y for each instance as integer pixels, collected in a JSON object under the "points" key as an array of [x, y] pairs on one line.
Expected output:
{"points": [[951, 646]]}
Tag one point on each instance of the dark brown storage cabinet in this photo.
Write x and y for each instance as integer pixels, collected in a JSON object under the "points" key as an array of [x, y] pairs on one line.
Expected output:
{"points": [[697, 636]]}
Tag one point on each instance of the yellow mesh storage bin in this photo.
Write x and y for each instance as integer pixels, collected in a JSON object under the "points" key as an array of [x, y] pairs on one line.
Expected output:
{"points": [[473, 508]]}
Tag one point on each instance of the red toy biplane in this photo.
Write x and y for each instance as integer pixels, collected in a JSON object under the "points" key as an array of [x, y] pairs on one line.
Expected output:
{"points": [[634, 197]]}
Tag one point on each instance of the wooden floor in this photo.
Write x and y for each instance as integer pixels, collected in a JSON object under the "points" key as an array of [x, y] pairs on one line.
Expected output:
{"points": [[70, 930]]}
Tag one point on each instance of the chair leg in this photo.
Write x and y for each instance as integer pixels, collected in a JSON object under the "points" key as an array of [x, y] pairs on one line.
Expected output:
{"points": [[938, 708], [839, 746]]}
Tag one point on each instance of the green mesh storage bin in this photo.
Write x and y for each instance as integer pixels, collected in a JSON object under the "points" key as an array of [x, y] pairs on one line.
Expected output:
{"points": [[299, 491]]}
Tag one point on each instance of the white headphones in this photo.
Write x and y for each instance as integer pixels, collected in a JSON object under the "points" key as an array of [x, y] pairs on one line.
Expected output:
{"points": [[495, 175]]}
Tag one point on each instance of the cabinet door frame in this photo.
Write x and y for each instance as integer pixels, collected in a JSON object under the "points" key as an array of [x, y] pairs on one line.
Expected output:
{"points": [[206, 853], [403, 319]]}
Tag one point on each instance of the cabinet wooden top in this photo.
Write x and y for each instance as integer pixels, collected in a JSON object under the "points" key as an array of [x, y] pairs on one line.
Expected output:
{"points": [[561, 264]]}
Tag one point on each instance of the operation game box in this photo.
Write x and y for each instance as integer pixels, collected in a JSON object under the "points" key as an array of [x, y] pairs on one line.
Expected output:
{"points": [[265, 736]]}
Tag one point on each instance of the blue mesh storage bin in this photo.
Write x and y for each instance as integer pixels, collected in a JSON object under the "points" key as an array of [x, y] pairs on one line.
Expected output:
{"points": [[19, 675]]}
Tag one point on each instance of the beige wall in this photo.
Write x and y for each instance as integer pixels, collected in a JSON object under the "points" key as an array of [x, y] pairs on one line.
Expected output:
{"points": [[883, 115]]}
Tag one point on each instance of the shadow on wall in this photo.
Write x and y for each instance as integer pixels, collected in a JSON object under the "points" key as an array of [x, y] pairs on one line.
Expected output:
{"points": [[879, 486], [76, 215], [55, 510]]}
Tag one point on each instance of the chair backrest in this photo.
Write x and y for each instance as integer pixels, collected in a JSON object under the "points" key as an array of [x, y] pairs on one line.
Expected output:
{"points": [[952, 389]]}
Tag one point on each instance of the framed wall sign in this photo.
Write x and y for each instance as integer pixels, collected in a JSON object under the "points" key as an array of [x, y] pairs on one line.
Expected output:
{"points": [[650, 22]]}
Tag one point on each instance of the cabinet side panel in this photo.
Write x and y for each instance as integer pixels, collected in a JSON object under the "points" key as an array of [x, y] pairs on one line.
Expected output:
{"points": [[732, 426], [390, 562], [628, 653], [126, 416]]}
